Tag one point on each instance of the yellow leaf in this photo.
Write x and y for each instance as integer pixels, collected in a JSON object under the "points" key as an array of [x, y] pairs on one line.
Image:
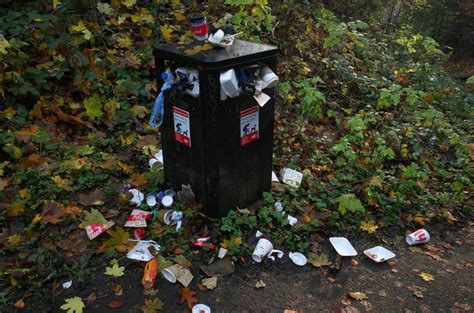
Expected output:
{"points": [[81, 28], [3, 184], [126, 141], [14, 240], [139, 111], [369, 226], [129, 3], [105, 8], [115, 270], [56, 3], [166, 31], [447, 215], [426, 276], [73, 305], [198, 49], [16, 209], [179, 16], [375, 182], [24, 193], [36, 219], [359, 296], [420, 220], [62, 182], [8, 113], [128, 169], [150, 150], [124, 41], [2, 167], [4, 44]]}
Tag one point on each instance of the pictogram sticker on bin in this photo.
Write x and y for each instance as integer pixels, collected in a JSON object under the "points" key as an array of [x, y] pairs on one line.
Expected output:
{"points": [[182, 131], [249, 125]]}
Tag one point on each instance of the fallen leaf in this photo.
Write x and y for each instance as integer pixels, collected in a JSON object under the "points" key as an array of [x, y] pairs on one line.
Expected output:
{"points": [[418, 294], [415, 249], [420, 220], [20, 304], [73, 305], [318, 260], [451, 219], [260, 284], [426, 276], [368, 226], [118, 239], [52, 212], [152, 306], [115, 304], [166, 32], [91, 298], [115, 270], [181, 260], [350, 309], [210, 283], [118, 290], [201, 287], [92, 217], [187, 295], [359, 296]]}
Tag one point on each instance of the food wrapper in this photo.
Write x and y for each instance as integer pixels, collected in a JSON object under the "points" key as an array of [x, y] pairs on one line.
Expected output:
{"points": [[138, 218], [151, 269], [94, 230]]}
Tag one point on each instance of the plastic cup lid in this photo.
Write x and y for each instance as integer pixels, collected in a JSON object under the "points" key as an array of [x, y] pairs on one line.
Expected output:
{"points": [[200, 308], [167, 201], [298, 258]]}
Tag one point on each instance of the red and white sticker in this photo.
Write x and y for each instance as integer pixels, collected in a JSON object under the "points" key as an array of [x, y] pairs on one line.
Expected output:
{"points": [[182, 131], [248, 125]]}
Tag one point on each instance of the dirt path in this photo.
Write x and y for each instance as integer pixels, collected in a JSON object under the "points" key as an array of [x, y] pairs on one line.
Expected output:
{"points": [[394, 286]]}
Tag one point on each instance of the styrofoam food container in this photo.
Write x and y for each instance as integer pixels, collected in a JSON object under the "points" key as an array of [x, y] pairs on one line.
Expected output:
{"points": [[343, 246], [379, 254], [229, 83], [298, 258]]}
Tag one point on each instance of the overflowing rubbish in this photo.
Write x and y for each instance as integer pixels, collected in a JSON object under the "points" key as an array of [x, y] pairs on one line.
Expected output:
{"points": [[178, 273], [264, 249], [137, 196], [379, 254], [291, 177], [343, 246], [201, 308], [138, 218], [170, 217], [298, 258], [94, 230], [144, 250], [199, 26], [149, 275], [187, 80], [418, 237]]}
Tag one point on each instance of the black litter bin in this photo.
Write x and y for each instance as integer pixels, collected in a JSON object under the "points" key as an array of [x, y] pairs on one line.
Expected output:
{"points": [[223, 149]]}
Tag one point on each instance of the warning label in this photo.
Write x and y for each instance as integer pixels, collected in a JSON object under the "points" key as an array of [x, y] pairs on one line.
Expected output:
{"points": [[248, 125], [182, 131]]}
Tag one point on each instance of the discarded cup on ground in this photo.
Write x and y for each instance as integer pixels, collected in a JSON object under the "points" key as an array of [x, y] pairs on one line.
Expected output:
{"points": [[343, 246], [151, 199], [379, 254], [298, 258], [167, 201], [137, 196], [264, 249], [178, 273], [269, 77], [291, 177], [201, 308], [170, 217], [144, 250], [164, 216], [157, 159], [199, 26], [418, 237]]}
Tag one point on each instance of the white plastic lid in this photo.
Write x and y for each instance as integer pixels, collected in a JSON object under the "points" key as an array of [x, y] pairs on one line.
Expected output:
{"points": [[167, 201]]}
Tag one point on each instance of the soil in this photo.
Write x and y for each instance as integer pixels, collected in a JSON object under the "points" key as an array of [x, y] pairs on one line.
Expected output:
{"points": [[393, 286]]}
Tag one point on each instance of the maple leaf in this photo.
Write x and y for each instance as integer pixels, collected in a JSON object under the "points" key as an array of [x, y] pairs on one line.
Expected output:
{"points": [[187, 295], [4, 44], [369, 226], [93, 106], [52, 212], [105, 8], [166, 31], [73, 305], [420, 220], [426, 276], [118, 239], [359, 296], [115, 270], [179, 16], [92, 217], [152, 306], [139, 111], [318, 260], [349, 202], [124, 41], [81, 28], [14, 240], [62, 182]]}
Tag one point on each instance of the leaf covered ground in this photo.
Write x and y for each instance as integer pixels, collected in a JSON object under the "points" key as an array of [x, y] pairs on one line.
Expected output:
{"points": [[381, 132]]}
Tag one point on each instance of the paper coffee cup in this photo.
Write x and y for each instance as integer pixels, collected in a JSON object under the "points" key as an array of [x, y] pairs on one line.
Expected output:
{"points": [[418, 237], [269, 77], [169, 275], [263, 250], [164, 216]]}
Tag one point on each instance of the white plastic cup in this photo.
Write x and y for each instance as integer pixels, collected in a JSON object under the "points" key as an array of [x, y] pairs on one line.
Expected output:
{"points": [[167, 201], [264, 249], [169, 275], [269, 77], [418, 237]]}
